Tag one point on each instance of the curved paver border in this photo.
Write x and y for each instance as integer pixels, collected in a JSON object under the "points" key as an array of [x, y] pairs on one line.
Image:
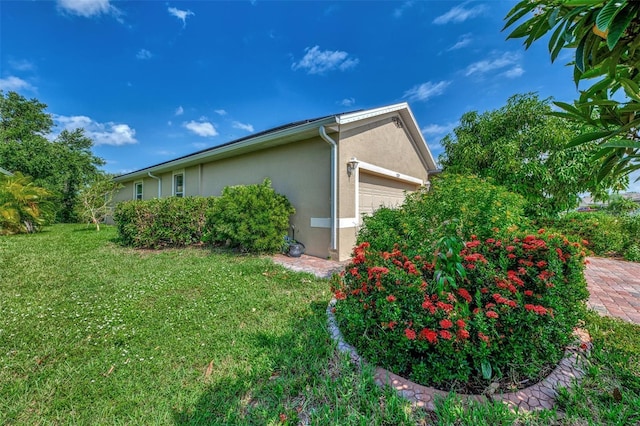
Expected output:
{"points": [[540, 396]]}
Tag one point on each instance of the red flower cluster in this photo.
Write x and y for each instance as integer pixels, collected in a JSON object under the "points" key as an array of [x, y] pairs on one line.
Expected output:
{"points": [[429, 335], [464, 294], [540, 310], [446, 323]]}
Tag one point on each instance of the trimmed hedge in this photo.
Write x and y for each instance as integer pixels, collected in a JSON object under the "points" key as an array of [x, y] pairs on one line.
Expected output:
{"points": [[164, 222], [252, 218]]}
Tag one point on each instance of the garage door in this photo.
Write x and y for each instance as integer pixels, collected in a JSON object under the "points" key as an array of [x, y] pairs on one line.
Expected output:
{"points": [[376, 191]]}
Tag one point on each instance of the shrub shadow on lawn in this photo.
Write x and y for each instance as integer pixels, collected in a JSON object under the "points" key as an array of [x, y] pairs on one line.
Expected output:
{"points": [[299, 360]]}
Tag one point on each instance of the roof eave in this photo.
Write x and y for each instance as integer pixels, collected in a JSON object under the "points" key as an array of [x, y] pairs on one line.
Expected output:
{"points": [[277, 138]]}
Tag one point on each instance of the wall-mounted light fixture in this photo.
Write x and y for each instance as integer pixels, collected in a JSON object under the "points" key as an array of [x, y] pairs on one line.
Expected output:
{"points": [[397, 122], [351, 166]]}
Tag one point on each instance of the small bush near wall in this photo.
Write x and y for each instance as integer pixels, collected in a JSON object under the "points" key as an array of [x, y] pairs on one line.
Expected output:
{"points": [[165, 222], [504, 317], [253, 218], [477, 204]]}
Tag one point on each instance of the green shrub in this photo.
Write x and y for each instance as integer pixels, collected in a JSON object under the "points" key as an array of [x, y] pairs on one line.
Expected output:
{"points": [[383, 229], [24, 207], [509, 314], [603, 233], [619, 205], [164, 222], [477, 204], [253, 218], [631, 229]]}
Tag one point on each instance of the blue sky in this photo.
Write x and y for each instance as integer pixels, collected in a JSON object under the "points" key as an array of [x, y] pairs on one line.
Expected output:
{"points": [[153, 80]]}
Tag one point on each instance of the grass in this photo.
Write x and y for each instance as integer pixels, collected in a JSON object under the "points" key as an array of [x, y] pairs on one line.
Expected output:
{"points": [[93, 333]]}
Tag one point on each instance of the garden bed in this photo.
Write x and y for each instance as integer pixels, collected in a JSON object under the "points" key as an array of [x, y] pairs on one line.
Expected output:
{"points": [[541, 395]]}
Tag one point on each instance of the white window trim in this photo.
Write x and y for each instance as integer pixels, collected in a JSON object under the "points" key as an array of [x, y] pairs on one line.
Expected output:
{"points": [[135, 190], [173, 182]]}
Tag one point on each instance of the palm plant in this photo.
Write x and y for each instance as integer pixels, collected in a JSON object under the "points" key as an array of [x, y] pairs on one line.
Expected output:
{"points": [[24, 207]]}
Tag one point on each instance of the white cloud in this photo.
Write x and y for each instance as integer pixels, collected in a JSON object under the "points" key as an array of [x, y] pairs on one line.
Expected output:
{"points": [[463, 41], [13, 83], [220, 112], [347, 102], [181, 14], [201, 128], [398, 12], [459, 14], [514, 72], [438, 129], [21, 64], [110, 133], [507, 59], [317, 61], [242, 126], [143, 54], [179, 110], [200, 145], [425, 91], [88, 8]]}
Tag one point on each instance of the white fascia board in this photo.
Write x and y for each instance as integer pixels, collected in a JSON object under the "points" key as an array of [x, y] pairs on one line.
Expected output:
{"points": [[381, 171], [361, 115], [214, 153]]}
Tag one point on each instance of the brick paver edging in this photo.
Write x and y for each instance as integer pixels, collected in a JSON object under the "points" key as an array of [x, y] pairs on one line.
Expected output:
{"points": [[540, 396]]}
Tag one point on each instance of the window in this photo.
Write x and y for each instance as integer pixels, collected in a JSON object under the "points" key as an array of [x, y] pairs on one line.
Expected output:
{"points": [[137, 191], [178, 184]]}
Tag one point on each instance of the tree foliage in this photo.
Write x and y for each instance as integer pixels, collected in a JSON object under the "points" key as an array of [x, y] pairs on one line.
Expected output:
{"points": [[24, 207], [522, 147], [605, 37], [62, 166], [95, 200]]}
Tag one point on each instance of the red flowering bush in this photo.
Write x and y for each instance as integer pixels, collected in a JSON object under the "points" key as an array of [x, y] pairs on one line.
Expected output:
{"points": [[509, 314]]}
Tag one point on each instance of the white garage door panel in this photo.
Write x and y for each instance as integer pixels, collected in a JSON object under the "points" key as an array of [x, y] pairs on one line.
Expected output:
{"points": [[376, 191]]}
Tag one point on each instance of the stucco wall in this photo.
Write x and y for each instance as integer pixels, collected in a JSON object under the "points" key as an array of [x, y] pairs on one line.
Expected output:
{"points": [[381, 143], [300, 171]]}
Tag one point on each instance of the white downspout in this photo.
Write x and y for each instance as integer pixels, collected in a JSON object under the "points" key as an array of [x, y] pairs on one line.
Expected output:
{"points": [[334, 186], [159, 184]]}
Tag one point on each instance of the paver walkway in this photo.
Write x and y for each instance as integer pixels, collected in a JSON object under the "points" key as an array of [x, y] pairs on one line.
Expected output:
{"points": [[614, 285], [614, 288]]}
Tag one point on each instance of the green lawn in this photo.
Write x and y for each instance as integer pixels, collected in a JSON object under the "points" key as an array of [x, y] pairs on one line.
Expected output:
{"points": [[93, 333]]}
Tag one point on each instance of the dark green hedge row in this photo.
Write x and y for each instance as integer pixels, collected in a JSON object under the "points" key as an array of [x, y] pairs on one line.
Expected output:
{"points": [[164, 222], [251, 218]]}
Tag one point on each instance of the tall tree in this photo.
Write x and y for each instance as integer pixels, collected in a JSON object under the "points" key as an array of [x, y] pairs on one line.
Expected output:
{"points": [[523, 148], [73, 150], [604, 36], [62, 166]]}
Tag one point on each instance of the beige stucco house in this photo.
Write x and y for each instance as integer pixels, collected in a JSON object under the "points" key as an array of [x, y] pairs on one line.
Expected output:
{"points": [[333, 169]]}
